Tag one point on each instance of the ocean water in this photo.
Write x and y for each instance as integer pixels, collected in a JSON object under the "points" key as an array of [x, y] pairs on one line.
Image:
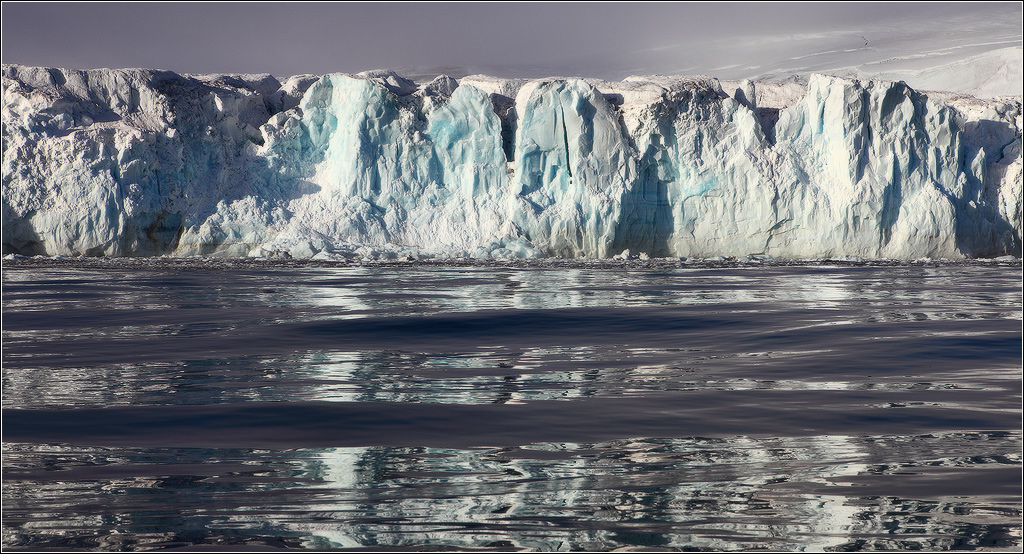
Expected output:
{"points": [[549, 406]]}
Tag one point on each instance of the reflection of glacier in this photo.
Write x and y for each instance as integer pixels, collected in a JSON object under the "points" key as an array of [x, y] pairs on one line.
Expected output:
{"points": [[140, 162], [718, 494], [603, 496], [729, 492], [500, 370], [737, 493]]}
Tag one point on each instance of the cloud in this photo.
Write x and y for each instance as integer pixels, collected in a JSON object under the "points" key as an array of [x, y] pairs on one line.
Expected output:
{"points": [[608, 40]]}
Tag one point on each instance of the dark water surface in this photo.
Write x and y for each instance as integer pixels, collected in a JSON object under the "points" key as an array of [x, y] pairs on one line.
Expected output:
{"points": [[811, 407]]}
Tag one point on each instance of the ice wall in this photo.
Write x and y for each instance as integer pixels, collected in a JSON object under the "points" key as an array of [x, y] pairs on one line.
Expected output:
{"points": [[143, 162]]}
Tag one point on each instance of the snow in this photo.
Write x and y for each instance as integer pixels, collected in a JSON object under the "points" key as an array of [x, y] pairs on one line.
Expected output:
{"points": [[986, 75], [144, 162], [978, 55]]}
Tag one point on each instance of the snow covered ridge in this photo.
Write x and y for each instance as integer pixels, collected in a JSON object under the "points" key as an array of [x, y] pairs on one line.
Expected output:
{"points": [[142, 162]]}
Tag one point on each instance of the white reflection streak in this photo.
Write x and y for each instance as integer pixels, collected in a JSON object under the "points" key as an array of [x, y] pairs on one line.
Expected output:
{"points": [[565, 487]]}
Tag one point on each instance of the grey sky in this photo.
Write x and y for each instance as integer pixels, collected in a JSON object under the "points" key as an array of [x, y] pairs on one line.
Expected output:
{"points": [[608, 40]]}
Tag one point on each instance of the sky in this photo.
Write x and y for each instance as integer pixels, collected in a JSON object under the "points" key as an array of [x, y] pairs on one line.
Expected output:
{"points": [[605, 40]]}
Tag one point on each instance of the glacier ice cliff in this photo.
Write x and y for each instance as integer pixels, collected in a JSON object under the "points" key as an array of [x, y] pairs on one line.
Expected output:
{"points": [[145, 162]]}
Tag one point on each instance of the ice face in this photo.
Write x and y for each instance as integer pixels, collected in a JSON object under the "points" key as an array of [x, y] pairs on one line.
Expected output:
{"points": [[141, 162], [426, 171], [573, 166], [884, 171]]}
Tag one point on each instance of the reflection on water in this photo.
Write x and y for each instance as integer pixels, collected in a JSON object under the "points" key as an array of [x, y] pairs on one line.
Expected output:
{"points": [[837, 492], [785, 408], [480, 378]]}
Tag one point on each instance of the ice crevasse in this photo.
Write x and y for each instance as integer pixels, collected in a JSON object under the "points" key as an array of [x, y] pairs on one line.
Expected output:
{"points": [[145, 162]]}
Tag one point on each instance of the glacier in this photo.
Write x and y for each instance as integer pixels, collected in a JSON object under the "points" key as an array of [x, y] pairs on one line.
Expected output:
{"points": [[140, 162]]}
